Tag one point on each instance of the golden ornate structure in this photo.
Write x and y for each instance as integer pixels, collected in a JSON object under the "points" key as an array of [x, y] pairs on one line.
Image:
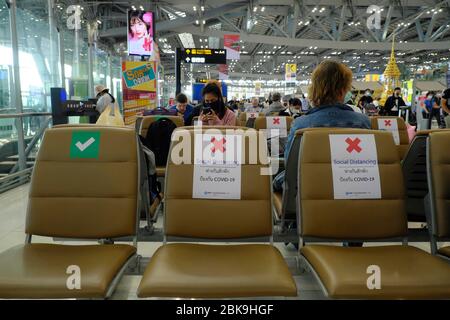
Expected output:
{"points": [[391, 76]]}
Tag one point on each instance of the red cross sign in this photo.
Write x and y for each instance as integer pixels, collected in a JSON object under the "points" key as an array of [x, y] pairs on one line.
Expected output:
{"points": [[387, 123], [353, 145], [218, 145], [276, 120]]}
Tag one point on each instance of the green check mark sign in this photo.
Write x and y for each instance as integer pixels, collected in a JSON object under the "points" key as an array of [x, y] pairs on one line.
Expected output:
{"points": [[85, 145]]}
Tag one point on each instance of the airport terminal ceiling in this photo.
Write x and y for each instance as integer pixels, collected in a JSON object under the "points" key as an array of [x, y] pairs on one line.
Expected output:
{"points": [[275, 32]]}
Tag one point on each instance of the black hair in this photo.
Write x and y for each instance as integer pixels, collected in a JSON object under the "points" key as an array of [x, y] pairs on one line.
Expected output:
{"points": [[139, 14], [397, 88], [431, 92], [181, 98], [215, 90], [295, 102]]}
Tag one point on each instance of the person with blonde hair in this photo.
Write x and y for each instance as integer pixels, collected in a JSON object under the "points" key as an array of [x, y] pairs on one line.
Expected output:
{"points": [[330, 82]]}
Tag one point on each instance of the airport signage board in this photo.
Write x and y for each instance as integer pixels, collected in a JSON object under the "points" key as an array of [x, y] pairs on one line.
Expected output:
{"points": [[291, 72], [203, 56]]}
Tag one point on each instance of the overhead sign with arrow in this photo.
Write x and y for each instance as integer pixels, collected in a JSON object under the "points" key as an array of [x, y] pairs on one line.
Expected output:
{"points": [[203, 56]]}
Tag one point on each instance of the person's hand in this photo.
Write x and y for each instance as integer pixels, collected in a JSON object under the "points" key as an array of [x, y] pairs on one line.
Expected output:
{"points": [[213, 116], [203, 117]]}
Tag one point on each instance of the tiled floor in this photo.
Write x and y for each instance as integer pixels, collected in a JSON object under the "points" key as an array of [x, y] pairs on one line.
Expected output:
{"points": [[13, 206]]}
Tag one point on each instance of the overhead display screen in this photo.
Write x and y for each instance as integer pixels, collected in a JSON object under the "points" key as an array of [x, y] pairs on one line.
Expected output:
{"points": [[140, 32]]}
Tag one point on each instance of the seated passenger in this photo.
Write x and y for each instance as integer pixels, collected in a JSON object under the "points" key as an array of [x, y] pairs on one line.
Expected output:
{"points": [[330, 82], [275, 107], [212, 111], [294, 108], [182, 107], [255, 107]]}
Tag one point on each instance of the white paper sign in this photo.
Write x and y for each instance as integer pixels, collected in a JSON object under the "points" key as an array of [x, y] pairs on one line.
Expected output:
{"points": [[276, 127], [354, 164], [217, 166], [251, 115], [390, 125]]}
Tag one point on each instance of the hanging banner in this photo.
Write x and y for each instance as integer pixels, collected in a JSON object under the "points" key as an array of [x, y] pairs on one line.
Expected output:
{"points": [[223, 72], [139, 89], [257, 88], [217, 166], [354, 163], [291, 72], [231, 44], [390, 125]]}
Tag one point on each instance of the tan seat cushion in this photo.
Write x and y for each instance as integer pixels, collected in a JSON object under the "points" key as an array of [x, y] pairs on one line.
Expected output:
{"points": [[406, 272], [160, 171], [39, 270], [278, 203], [445, 251], [216, 271]]}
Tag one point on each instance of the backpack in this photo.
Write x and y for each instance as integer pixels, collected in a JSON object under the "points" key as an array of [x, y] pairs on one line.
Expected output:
{"points": [[151, 187], [158, 139], [160, 112]]}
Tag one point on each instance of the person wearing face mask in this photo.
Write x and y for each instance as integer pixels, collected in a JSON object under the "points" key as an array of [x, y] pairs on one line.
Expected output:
{"points": [[394, 102], [212, 111], [432, 108], [350, 101], [366, 99], [294, 108], [104, 98]]}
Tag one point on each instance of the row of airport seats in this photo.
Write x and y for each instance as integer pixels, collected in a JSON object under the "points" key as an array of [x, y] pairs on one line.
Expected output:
{"points": [[98, 198], [413, 160], [142, 125]]}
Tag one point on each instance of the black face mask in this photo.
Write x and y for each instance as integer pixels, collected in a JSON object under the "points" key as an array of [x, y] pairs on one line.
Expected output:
{"points": [[213, 105]]}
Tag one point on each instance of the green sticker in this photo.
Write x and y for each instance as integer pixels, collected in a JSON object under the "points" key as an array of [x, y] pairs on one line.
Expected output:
{"points": [[85, 145]]}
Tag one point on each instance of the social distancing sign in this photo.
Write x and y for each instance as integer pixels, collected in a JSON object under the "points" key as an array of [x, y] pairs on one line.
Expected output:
{"points": [[390, 125], [251, 115], [276, 127], [85, 145], [217, 166], [354, 164]]}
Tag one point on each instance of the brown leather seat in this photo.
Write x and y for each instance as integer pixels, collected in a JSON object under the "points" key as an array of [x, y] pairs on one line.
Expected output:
{"points": [[444, 251], [261, 123], [206, 271], [146, 121], [278, 203], [242, 119], [438, 164], [406, 272], [323, 217], [39, 270], [402, 132], [160, 171], [75, 197], [212, 271]]}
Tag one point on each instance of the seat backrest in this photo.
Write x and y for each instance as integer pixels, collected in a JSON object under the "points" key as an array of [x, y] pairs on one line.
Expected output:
{"points": [[438, 167], [261, 123], [85, 183], [242, 119], [402, 132], [289, 210], [186, 216], [414, 167], [148, 120], [322, 216]]}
